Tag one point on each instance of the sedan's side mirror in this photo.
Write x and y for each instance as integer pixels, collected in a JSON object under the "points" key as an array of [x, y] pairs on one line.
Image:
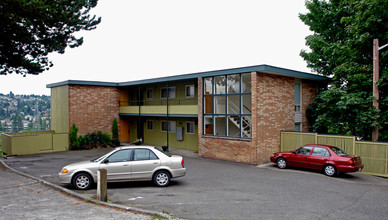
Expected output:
{"points": [[106, 161]]}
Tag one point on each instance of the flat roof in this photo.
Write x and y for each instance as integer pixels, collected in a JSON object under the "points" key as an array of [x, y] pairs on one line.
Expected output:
{"points": [[259, 68]]}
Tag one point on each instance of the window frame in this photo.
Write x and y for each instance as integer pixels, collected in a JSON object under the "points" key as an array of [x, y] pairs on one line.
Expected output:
{"points": [[121, 151], [152, 93], [152, 122], [307, 148], [216, 115], [161, 126], [149, 154], [298, 124], [298, 107], [168, 94], [190, 96], [326, 154], [191, 124]]}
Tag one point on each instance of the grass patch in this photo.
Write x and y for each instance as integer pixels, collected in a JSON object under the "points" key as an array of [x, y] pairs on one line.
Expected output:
{"points": [[158, 217]]}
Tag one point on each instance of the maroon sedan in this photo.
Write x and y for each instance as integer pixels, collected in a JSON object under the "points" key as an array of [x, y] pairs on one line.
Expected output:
{"points": [[330, 159]]}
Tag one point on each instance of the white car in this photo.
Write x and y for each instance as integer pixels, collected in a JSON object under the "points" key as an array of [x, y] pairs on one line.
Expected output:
{"points": [[130, 163]]}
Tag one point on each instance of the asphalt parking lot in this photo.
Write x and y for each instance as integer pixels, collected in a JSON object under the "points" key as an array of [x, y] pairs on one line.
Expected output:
{"points": [[223, 190]]}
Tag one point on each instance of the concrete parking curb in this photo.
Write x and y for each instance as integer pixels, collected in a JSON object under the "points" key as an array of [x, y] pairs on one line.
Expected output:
{"points": [[82, 197]]}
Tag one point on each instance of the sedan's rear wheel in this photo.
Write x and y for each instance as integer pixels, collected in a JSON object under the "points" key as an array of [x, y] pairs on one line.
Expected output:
{"points": [[82, 181], [330, 170], [162, 178], [281, 163]]}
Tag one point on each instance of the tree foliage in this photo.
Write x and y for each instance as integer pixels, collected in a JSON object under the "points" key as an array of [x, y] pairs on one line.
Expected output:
{"points": [[115, 133], [31, 29], [342, 47], [74, 142]]}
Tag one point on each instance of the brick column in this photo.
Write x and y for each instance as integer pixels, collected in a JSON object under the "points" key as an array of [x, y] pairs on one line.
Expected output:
{"points": [[254, 128], [200, 119]]}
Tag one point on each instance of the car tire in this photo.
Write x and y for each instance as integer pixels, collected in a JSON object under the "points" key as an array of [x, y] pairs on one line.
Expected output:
{"points": [[330, 170], [82, 181], [162, 178], [281, 163]]}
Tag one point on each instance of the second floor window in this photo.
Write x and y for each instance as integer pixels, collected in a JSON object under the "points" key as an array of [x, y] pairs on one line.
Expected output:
{"points": [[190, 91], [149, 94], [297, 97], [171, 93]]}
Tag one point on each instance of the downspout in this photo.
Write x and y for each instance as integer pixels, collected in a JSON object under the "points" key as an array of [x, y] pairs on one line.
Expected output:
{"points": [[138, 117], [168, 125]]}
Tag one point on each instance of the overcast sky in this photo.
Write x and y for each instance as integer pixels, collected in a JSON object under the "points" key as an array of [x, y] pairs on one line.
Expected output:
{"points": [[154, 38]]}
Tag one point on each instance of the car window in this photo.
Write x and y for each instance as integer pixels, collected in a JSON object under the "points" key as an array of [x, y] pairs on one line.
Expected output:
{"points": [[339, 152], [319, 151], [304, 151], [120, 156], [144, 154]]}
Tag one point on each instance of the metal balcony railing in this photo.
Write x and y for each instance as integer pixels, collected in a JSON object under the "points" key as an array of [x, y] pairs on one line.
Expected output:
{"points": [[188, 101]]}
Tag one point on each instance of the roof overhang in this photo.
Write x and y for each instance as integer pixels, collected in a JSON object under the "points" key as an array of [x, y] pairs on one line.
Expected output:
{"points": [[184, 77]]}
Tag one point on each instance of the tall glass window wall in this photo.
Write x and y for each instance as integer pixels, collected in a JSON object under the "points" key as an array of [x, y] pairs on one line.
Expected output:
{"points": [[227, 108]]}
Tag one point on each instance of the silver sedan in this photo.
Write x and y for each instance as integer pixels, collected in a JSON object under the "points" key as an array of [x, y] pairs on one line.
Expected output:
{"points": [[130, 163]]}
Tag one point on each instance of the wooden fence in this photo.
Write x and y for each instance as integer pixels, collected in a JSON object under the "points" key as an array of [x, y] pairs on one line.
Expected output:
{"points": [[373, 154]]}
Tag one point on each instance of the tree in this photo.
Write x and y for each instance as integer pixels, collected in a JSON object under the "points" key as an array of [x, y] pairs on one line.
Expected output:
{"points": [[342, 47], [30, 30], [115, 133], [17, 124]]}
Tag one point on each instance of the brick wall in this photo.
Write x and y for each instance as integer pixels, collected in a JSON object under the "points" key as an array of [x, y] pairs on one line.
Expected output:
{"points": [[228, 149], [275, 112], [93, 108]]}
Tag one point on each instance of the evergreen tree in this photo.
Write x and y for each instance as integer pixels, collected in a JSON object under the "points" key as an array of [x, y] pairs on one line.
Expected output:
{"points": [[30, 30], [115, 133], [74, 143], [17, 124]]}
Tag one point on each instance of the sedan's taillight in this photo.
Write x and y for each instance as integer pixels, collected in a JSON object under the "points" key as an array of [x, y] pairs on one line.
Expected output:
{"points": [[183, 163], [351, 161]]}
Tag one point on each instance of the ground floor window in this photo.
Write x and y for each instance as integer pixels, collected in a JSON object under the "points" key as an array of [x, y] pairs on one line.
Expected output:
{"points": [[169, 126], [150, 125], [297, 126], [190, 127]]}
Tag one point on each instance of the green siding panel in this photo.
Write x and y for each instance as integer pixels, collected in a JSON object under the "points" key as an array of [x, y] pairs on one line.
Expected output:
{"points": [[60, 109]]}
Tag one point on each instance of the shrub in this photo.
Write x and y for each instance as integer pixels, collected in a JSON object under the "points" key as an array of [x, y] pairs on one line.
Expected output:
{"points": [[89, 141], [83, 141], [115, 133], [74, 143], [96, 139]]}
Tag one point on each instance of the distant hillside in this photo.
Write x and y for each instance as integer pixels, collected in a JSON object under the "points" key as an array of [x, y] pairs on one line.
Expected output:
{"points": [[20, 113]]}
